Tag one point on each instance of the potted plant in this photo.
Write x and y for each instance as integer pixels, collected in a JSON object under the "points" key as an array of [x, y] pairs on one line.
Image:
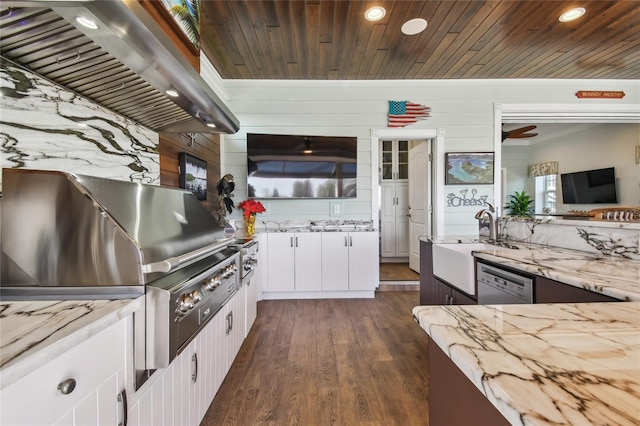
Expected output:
{"points": [[520, 204]]}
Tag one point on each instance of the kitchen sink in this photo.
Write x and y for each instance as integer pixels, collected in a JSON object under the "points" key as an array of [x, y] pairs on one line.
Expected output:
{"points": [[454, 263]]}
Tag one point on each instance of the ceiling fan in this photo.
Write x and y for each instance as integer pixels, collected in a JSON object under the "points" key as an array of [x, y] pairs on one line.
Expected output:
{"points": [[519, 133]]}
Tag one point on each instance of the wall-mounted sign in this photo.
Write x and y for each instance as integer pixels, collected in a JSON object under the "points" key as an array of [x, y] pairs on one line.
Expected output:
{"points": [[402, 113], [602, 94]]}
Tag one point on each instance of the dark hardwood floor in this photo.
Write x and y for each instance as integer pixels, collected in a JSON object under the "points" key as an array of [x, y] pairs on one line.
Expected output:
{"points": [[329, 362]]}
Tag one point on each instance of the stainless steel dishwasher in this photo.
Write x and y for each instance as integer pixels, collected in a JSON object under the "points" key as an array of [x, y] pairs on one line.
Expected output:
{"points": [[499, 287]]}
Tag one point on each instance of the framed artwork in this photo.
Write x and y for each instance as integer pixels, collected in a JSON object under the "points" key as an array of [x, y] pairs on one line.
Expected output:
{"points": [[468, 168], [193, 175], [184, 16]]}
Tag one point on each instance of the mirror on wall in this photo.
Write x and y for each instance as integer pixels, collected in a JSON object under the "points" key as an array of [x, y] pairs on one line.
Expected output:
{"points": [[575, 147]]}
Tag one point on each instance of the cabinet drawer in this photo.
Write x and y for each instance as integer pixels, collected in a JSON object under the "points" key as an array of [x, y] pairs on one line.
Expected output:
{"points": [[36, 400]]}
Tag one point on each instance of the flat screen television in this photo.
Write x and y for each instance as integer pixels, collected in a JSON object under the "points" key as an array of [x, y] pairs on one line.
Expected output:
{"points": [[299, 166], [589, 187]]}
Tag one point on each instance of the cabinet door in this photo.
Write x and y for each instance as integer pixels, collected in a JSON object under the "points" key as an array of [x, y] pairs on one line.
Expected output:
{"points": [[441, 292], [281, 265], [460, 298], [394, 161], [251, 304], [427, 296], [550, 291], [402, 220], [97, 366], [387, 169], [388, 220], [308, 261], [335, 261], [364, 273]]}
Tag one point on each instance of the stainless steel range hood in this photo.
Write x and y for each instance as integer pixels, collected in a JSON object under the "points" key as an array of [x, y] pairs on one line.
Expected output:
{"points": [[126, 65]]}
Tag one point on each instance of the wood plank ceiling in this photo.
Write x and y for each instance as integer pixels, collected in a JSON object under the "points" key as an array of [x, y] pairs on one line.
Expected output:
{"points": [[329, 40]]}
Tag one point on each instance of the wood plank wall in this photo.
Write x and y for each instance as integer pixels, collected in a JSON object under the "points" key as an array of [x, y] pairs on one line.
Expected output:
{"points": [[205, 147]]}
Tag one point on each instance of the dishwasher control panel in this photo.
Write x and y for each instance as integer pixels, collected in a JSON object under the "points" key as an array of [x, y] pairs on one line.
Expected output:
{"points": [[498, 286]]}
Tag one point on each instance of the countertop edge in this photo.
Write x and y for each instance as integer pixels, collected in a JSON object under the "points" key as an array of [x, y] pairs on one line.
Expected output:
{"points": [[597, 284], [67, 337]]}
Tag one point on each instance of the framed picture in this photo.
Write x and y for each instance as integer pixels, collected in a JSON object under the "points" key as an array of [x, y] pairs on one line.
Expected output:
{"points": [[468, 168], [193, 175], [184, 16]]}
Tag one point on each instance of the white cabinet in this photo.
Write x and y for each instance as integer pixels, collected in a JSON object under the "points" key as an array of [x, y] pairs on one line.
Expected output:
{"points": [[335, 261], [251, 303], [349, 261], [394, 219], [96, 367], [254, 288], [394, 198], [394, 161], [181, 393], [294, 261]]}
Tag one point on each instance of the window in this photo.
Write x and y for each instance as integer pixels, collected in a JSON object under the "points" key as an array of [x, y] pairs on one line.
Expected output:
{"points": [[546, 193]]}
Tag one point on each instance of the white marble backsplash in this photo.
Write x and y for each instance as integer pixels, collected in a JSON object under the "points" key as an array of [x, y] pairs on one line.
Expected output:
{"points": [[607, 238], [45, 126]]}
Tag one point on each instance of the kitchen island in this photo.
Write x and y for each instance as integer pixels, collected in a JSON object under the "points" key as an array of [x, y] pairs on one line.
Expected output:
{"points": [[565, 364]]}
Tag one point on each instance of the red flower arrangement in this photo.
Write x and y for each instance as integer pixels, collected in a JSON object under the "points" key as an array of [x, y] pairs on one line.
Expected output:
{"points": [[251, 207]]}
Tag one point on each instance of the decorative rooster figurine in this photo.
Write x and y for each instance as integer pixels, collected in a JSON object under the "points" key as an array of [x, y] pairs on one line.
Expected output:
{"points": [[225, 188]]}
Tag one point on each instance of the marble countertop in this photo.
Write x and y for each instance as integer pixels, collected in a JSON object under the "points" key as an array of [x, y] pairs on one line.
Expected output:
{"points": [[613, 276], [34, 332], [562, 364], [617, 277], [316, 226]]}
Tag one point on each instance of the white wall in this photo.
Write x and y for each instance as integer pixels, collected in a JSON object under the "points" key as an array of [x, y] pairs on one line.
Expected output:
{"points": [[516, 160], [600, 146], [463, 109]]}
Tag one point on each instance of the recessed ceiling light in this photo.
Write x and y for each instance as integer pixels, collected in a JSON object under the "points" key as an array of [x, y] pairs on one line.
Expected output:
{"points": [[86, 22], [375, 13], [572, 15], [211, 125], [172, 93], [414, 26]]}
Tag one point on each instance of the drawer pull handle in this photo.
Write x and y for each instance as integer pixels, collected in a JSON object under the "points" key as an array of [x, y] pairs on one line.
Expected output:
{"points": [[194, 375], [122, 400], [67, 386]]}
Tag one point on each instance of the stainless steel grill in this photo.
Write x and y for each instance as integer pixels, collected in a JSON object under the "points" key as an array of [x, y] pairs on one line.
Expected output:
{"points": [[72, 236]]}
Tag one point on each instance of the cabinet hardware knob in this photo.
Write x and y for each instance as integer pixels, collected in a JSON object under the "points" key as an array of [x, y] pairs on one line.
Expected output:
{"points": [[67, 386]]}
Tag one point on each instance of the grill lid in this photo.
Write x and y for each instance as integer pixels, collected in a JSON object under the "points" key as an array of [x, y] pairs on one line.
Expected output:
{"points": [[89, 231], [126, 65]]}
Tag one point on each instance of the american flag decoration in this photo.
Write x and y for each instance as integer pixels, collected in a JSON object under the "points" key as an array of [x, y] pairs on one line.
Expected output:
{"points": [[402, 113]]}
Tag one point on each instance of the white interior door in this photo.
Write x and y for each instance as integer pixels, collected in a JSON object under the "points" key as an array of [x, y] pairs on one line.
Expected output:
{"points": [[419, 200]]}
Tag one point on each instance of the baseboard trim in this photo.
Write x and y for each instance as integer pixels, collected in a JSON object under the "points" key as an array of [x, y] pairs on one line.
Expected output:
{"points": [[399, 286]]}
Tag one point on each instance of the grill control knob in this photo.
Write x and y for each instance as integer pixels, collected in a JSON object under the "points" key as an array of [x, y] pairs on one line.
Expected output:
{"points": [[211, 283], [228, 271], [185, 304], [196, 296]]}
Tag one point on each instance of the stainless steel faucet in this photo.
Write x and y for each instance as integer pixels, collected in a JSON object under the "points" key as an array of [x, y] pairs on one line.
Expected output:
{"points": [[491, 213]]}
